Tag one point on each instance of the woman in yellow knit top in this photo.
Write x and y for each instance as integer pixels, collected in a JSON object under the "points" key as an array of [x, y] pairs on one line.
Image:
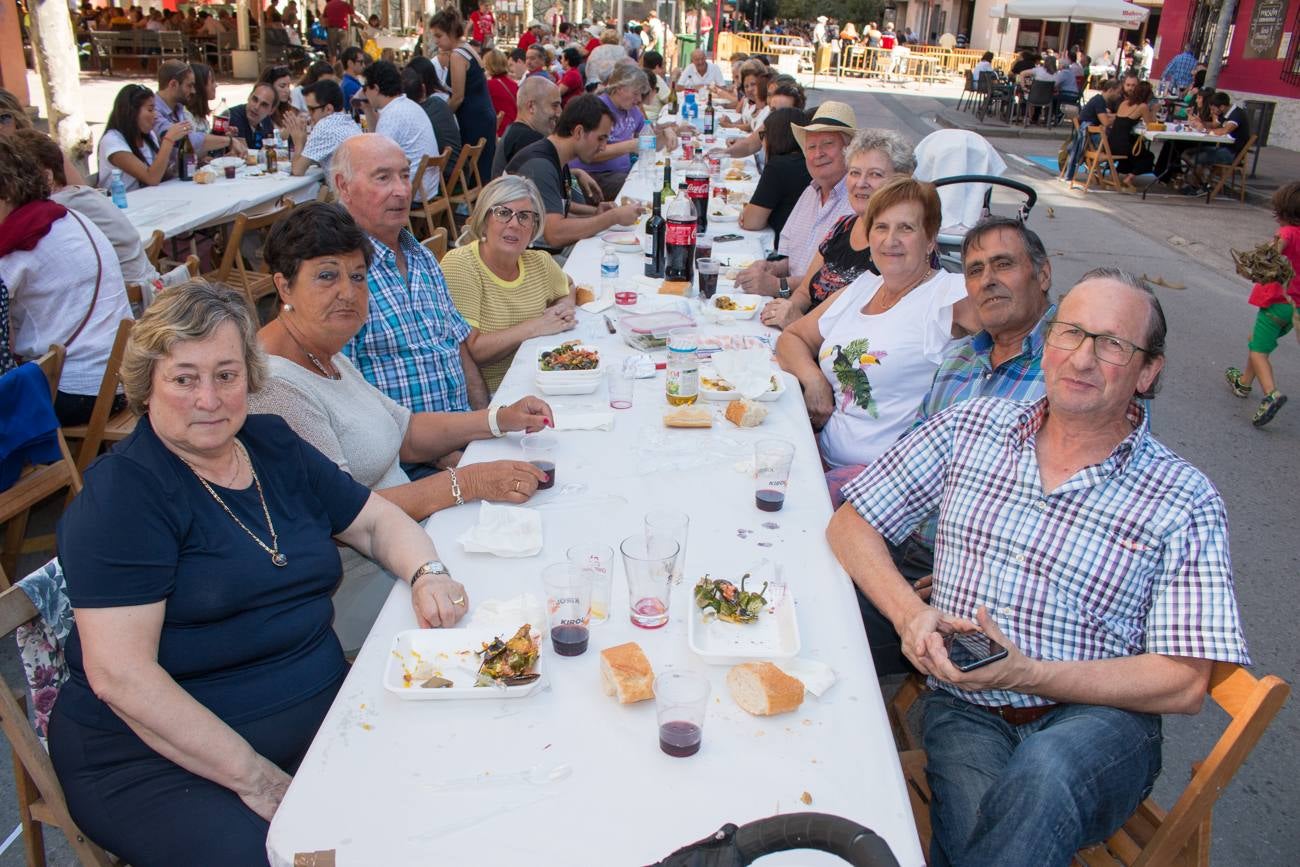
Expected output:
{"points": [[506, 292]]}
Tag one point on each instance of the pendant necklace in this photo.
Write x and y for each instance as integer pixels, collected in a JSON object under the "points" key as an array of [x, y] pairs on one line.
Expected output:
{"points": [[274, 549], [316, 362]]}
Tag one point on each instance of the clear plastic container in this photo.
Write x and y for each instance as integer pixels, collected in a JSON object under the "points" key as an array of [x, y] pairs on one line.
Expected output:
{"points": [[682, 384]]}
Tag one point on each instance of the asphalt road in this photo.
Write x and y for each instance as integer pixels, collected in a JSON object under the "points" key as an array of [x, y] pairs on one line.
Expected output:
{"points": [[1184, 243]]}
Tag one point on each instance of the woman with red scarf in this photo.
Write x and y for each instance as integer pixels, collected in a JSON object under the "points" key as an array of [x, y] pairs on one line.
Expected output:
{"points": [[63, 279]]}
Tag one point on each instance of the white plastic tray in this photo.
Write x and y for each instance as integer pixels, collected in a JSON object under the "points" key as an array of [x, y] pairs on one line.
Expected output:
{"points": [[775, 635], [710, 394], [449, 653], [576, 386], [743, 300]]}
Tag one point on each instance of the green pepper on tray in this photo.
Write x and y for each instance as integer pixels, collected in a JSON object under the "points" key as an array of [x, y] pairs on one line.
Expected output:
{"points": [[729, 602]]}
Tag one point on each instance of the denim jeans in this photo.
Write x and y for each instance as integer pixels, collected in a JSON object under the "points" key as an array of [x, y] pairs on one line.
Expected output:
{"points": [[1034, 794]]}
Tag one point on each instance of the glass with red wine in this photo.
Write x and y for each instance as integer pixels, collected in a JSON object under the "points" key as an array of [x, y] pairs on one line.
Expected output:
{"points": [[681, 701], [648, 562], [568, 607], [772, 459], [539, 450]]}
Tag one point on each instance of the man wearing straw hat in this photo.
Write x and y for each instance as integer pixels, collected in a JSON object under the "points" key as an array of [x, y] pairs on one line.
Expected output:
{"points": [[823, 140]]}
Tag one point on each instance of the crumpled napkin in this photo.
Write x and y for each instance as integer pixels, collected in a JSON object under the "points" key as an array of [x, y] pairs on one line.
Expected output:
{"points": [[506, 531], [748, 370], [602, 302], [577, 419], [509, 613], [642, 365], [817, 677]]}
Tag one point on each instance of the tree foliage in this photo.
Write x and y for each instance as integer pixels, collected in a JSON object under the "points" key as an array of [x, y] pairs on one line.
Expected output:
{"points": [[857, 11]]}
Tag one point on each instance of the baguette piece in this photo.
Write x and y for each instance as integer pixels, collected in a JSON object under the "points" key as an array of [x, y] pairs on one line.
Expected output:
{"points": [[674, 287], [583, 295], [745, 413], [689, 416], [626, 673], [763, 689]]}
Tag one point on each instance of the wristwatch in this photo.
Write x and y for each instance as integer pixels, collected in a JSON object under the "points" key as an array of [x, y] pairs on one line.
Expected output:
{"points": [[785, 291], [433, 567]]}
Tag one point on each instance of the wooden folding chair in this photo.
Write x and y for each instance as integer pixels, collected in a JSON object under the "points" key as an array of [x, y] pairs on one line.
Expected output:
{"points": [[36, 484], [105, 425], [233, 270], [466, 181], [40, 797], [325, 195], [1153, 837], [153, 249], [1228, 174], [1096, 158], [439, 207], [436, 243]]}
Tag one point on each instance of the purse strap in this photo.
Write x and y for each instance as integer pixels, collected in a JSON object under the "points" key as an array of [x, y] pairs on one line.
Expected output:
{"points": [[99, 276]]}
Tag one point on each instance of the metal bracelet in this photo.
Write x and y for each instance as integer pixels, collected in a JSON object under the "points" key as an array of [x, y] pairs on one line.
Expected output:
{"points": [[455, 487]]}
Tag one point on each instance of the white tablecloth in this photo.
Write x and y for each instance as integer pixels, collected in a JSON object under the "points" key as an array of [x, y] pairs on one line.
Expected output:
{"points": [[367, 786], [1185, 135], [177, 207]]}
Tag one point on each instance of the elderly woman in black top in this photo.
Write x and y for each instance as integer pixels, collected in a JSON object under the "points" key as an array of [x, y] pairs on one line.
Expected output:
{"points": [[202, 660]]}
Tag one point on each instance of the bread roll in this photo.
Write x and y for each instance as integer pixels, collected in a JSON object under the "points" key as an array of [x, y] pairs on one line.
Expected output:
{"points": [[583, 295], [763, 689], [745, 413], [626, 673], [689, 416], [674, 287]]}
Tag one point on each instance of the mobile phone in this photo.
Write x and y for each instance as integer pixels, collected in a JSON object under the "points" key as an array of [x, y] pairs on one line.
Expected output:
{"points": [[722, 238], [971, 650], [776, 257]]}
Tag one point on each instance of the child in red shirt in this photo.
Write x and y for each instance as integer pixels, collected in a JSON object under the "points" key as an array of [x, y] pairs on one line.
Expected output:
{"points": [[1277, 311]]}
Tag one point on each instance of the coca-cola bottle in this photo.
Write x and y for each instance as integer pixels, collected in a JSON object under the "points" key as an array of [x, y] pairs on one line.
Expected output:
{"points": [[679, 238], [697, 190]]}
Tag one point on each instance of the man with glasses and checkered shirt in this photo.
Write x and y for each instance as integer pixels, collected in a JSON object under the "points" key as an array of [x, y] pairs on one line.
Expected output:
{"points": [[1069, 536]]}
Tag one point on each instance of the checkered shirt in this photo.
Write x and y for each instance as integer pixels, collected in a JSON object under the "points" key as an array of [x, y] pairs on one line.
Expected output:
{"points": [[409, 347], [809, 223], [1128, 556], [1181, 69]]}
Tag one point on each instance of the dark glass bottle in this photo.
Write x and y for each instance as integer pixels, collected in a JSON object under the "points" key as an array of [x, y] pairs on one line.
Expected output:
{"points": [[183, 149], [655, 229], [667, 192]]}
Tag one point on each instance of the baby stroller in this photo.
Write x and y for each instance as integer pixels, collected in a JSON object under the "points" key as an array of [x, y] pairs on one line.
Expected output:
{"points": [[732, 846], [965, 168]]}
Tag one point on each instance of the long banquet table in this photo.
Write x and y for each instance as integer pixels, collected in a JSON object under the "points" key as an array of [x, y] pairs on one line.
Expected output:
{"points": [[567, 775]]}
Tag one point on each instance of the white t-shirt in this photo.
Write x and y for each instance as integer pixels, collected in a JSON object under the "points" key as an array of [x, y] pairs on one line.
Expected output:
{"points": [[407, 124], [692, 79], [755, 117], [881, 366], [114, 142]]}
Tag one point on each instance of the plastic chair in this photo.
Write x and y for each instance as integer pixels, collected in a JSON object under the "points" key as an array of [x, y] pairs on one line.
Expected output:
{"points": [[1228, 174], [968, 94], [1040, 97]]}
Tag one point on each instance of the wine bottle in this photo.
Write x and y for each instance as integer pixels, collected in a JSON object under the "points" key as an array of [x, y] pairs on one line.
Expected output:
{"points": [[654, 239], [668, 191], [183, 147]]}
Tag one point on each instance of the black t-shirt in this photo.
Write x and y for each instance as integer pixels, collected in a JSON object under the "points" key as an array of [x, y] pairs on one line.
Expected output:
{"points": [[1090, 114], [1020, 66], [516, 137], [1241, 134], [540, 162], [783, 181], [841, 264]]}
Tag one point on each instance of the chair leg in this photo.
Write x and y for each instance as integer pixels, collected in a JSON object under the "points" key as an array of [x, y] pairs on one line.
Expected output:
{"points": [[33, 831]]}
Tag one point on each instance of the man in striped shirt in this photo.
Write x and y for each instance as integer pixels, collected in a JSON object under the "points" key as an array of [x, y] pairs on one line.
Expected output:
{"points": [[1073, 539]]}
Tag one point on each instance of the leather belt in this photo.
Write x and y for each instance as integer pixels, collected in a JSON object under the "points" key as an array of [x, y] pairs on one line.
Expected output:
{"points": [[1018, 716]]}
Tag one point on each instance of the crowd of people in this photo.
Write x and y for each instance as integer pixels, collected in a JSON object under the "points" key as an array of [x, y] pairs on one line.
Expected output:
{"points": [[987, 445]]}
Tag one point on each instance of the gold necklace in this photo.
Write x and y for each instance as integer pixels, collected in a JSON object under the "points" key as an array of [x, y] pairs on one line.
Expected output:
{"points": [[904, 293], [274, 550]]}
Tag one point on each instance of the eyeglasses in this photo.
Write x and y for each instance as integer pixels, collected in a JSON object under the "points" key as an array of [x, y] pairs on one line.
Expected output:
{"points": [[526, 219], [312, 109], [6, 118], [1107, 348]]}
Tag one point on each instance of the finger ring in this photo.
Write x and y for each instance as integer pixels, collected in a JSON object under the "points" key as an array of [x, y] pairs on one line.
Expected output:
{"points": [[459, 600], [516, 486]]}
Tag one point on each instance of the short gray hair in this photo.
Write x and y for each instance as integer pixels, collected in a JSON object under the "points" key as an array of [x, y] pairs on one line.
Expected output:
{"points": [[893, 145], [194, 310], [506, 188], [1157, 328], [993, 223], [627, 75]]}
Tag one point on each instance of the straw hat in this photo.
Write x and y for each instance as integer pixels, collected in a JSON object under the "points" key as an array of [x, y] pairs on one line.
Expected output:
{"points": [[830, 117], [533, 22]]}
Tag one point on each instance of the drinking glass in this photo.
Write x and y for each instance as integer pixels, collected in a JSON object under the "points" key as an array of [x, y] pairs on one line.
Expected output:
{"points": [[681, 701], [706, 273], [598, 562], [568, 607], [772, 459], [621, 381], [673, 526], [539, 450], [649, 567]]}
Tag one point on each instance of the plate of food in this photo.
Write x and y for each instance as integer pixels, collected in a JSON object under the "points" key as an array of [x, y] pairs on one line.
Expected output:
{"points": [[735, 622], [222, 163], [571, 356], [624, 240], [723, 214], [737, 175], [714, 387], [736, 305], [446, 664]]}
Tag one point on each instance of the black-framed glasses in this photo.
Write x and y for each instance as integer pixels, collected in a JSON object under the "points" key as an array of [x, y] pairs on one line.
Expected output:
{"points": [[1107, 347], [504, 215], [312, 109]]}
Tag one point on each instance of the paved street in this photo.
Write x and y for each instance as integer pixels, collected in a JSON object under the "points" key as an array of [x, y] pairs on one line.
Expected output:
{"points": [[1184, 243]]}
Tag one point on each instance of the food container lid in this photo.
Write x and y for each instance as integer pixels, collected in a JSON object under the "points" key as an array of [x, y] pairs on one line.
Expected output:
{"points": [[658, 323]]}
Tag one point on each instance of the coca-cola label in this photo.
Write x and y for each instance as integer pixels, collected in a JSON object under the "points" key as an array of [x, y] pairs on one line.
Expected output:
{"points": [[697, 186], [680, 234]]}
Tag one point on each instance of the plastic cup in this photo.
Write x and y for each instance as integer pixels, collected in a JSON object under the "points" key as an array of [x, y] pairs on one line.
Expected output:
{"points": [[672, 526], [568, 608], [772, 459], [621, 382], [706, 276], [230, 172], [681, 702], [649, 567], [539, 450], [598, 562]]}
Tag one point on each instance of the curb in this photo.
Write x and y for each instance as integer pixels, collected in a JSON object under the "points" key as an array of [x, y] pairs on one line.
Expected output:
{"points": [[1037, 133]]}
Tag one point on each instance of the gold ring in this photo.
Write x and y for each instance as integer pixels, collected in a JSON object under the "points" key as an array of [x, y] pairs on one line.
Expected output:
{"points": [[459, 600]]}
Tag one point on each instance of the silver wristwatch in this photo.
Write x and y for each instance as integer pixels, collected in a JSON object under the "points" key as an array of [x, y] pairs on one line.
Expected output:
{"points": [[433, 567], [785, 291]]}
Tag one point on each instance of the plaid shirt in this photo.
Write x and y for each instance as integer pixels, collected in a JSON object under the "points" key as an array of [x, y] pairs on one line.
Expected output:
{"points": [[810, 222], [1180, 69], [409, 347], [1128, 556]]}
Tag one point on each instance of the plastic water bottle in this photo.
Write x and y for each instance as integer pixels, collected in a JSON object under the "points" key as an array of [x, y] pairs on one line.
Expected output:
{"points": [[646, 151], [609, 273], [117, 189]]}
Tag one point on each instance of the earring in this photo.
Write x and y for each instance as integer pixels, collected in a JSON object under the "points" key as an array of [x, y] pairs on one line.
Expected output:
{"points": [[287, 306]]}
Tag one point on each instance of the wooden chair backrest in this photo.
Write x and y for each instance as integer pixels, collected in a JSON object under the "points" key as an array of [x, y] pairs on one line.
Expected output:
{"points": [[232, 259], [470, 181], [49, 807], [92, 437], [153, 249], [428, 163], [1239, 164], [51, 364], [436, 243]]}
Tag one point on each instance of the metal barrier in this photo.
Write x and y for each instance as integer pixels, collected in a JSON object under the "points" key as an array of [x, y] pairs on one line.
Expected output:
{"points": [[925, 62]]}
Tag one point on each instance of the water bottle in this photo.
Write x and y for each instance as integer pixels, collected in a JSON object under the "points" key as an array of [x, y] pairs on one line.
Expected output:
{"points": [[117, 189], [646, 151], [609, 273]]}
